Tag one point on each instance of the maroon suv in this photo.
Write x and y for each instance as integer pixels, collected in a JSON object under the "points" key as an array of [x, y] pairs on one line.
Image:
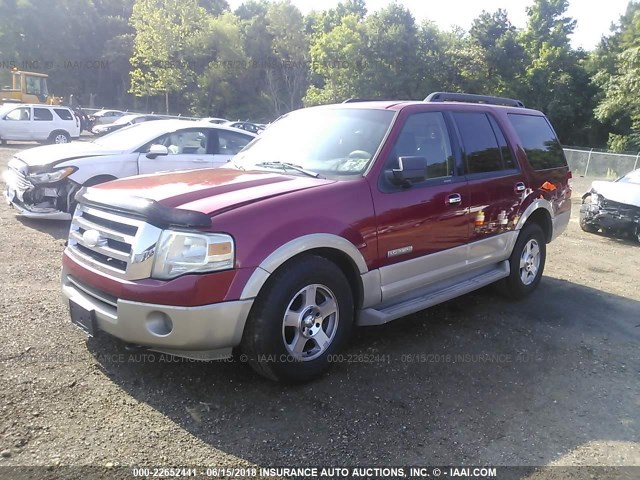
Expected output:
{"points": [[341, 215]]}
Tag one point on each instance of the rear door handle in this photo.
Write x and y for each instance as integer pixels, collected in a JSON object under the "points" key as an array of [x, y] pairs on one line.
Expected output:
{"points": [[454, 199], [520, 187], [199, 160]]}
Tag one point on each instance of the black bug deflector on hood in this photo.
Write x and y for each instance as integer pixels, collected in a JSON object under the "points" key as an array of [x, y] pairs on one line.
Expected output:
{"points": [[153, 212]]}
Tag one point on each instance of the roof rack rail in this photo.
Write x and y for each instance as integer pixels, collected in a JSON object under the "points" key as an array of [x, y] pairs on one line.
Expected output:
{"points": [[356, 100], [472, 98]]}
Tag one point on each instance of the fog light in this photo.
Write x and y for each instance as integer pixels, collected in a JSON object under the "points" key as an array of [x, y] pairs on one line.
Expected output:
{"points": [[159, 324]]}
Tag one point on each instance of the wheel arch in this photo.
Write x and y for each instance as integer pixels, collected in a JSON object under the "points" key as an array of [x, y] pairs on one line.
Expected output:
{"points": [[332, 247], [57, 131], [98, 179], [540, 212]]}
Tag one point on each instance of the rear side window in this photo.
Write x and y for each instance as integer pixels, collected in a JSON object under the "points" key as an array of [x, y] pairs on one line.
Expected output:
{"points": [[539, 141], [480, 143], [63, 113], [42, 115], [230, 143], [507, 157]]}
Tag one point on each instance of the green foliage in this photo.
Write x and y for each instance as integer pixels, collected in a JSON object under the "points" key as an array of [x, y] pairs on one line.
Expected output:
{"points": [[167, 34], [70, 41], [617, 66], [266, 58]]}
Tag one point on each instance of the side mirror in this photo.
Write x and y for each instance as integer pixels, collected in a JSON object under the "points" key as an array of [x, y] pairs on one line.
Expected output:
{"points": [[157, 151], [410, 170]]}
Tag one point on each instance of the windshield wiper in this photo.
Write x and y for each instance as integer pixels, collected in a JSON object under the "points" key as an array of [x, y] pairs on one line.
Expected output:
{"points": [[238, 166], [289, 166]]}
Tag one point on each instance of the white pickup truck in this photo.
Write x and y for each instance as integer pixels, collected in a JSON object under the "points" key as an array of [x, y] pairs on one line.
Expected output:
{"points": [[42, 181]]}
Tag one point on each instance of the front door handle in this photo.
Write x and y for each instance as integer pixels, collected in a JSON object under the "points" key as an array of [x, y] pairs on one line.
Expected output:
{"points": [[454, 199], [520, 187], [199, 160]]}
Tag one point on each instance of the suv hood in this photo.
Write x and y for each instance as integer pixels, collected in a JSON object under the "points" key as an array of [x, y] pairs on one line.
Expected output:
{"points": [[208, 191], [50, 154]]}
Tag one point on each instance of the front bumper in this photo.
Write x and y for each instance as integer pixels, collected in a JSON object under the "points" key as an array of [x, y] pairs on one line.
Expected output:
{"points": [[612, 216], [36, 201], [43, 214], [204, 332]]}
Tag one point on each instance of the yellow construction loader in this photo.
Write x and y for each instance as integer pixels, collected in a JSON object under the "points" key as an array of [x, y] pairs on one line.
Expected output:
{"points": [[28, 87]]}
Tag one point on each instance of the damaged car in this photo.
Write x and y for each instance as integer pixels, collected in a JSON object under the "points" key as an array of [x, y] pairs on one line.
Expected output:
{"points": [[42, 182], [613, 207]]}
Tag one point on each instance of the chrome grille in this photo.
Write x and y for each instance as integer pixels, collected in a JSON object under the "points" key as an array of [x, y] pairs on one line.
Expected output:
{"points": [[17, 177], [113, 243]]}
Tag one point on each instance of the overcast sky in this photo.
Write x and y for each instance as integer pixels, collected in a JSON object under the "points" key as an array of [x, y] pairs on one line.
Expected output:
{"points": [[594, 16]]}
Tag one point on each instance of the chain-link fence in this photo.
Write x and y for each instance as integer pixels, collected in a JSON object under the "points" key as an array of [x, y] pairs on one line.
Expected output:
{"points": [[600, 164]]}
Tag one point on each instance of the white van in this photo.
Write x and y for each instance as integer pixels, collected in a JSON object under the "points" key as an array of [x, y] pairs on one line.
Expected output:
{"points": [[42, 123]]}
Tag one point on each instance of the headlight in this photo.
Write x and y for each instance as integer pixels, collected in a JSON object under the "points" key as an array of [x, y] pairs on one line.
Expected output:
{"points": [[178, 253], [51, 177]]}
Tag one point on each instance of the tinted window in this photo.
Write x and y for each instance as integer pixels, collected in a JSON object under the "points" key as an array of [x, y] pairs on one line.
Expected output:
{"points": [[507, 156], [538, 140], [480, 143], [425, 135], [63, 113], [230, 143], [42, 114]]}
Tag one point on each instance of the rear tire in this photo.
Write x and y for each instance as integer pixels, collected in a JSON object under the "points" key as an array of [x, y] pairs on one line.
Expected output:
{"points": [[302, 316], [59, 137], [526, 263]]}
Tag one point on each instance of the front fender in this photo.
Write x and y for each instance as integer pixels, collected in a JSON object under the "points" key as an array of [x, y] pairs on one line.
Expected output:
{"points": [[295, 247]]}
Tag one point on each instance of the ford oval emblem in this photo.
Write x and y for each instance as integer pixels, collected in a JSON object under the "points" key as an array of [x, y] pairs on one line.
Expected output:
{"points": [[93, 238]]}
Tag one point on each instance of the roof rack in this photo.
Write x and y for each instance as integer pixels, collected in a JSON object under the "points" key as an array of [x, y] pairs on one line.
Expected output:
{"points": [[472, 98], [356, 100]]}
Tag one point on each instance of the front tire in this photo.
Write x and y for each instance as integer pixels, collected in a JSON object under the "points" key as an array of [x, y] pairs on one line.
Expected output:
{"points": [[303, 315], [526, 263]]}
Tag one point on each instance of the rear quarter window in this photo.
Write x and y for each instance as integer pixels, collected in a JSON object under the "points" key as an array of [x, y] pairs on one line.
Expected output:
{"points": [[539, 141], [63, 113]]}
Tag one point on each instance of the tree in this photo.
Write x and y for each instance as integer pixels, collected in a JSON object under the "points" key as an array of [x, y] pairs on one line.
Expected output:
{"points": [[335, 56], [615, 67], [214, 7], [503, 54], [288, 73], [163, 46], [391, 65], [555, 80], [219, 89]]}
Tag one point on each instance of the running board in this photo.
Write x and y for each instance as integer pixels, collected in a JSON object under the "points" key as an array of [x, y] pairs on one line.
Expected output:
{"points": [[373, 316]]}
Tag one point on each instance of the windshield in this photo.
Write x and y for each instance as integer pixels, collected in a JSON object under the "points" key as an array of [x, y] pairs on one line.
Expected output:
{"points": [[130, 137], [6, 107], [329, 141]]}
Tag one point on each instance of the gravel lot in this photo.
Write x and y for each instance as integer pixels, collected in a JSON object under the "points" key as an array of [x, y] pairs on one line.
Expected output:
{"points": [[552, 380]]}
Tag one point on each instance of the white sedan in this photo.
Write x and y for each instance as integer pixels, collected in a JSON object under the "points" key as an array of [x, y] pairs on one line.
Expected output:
{"points": [[42, 181]]}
